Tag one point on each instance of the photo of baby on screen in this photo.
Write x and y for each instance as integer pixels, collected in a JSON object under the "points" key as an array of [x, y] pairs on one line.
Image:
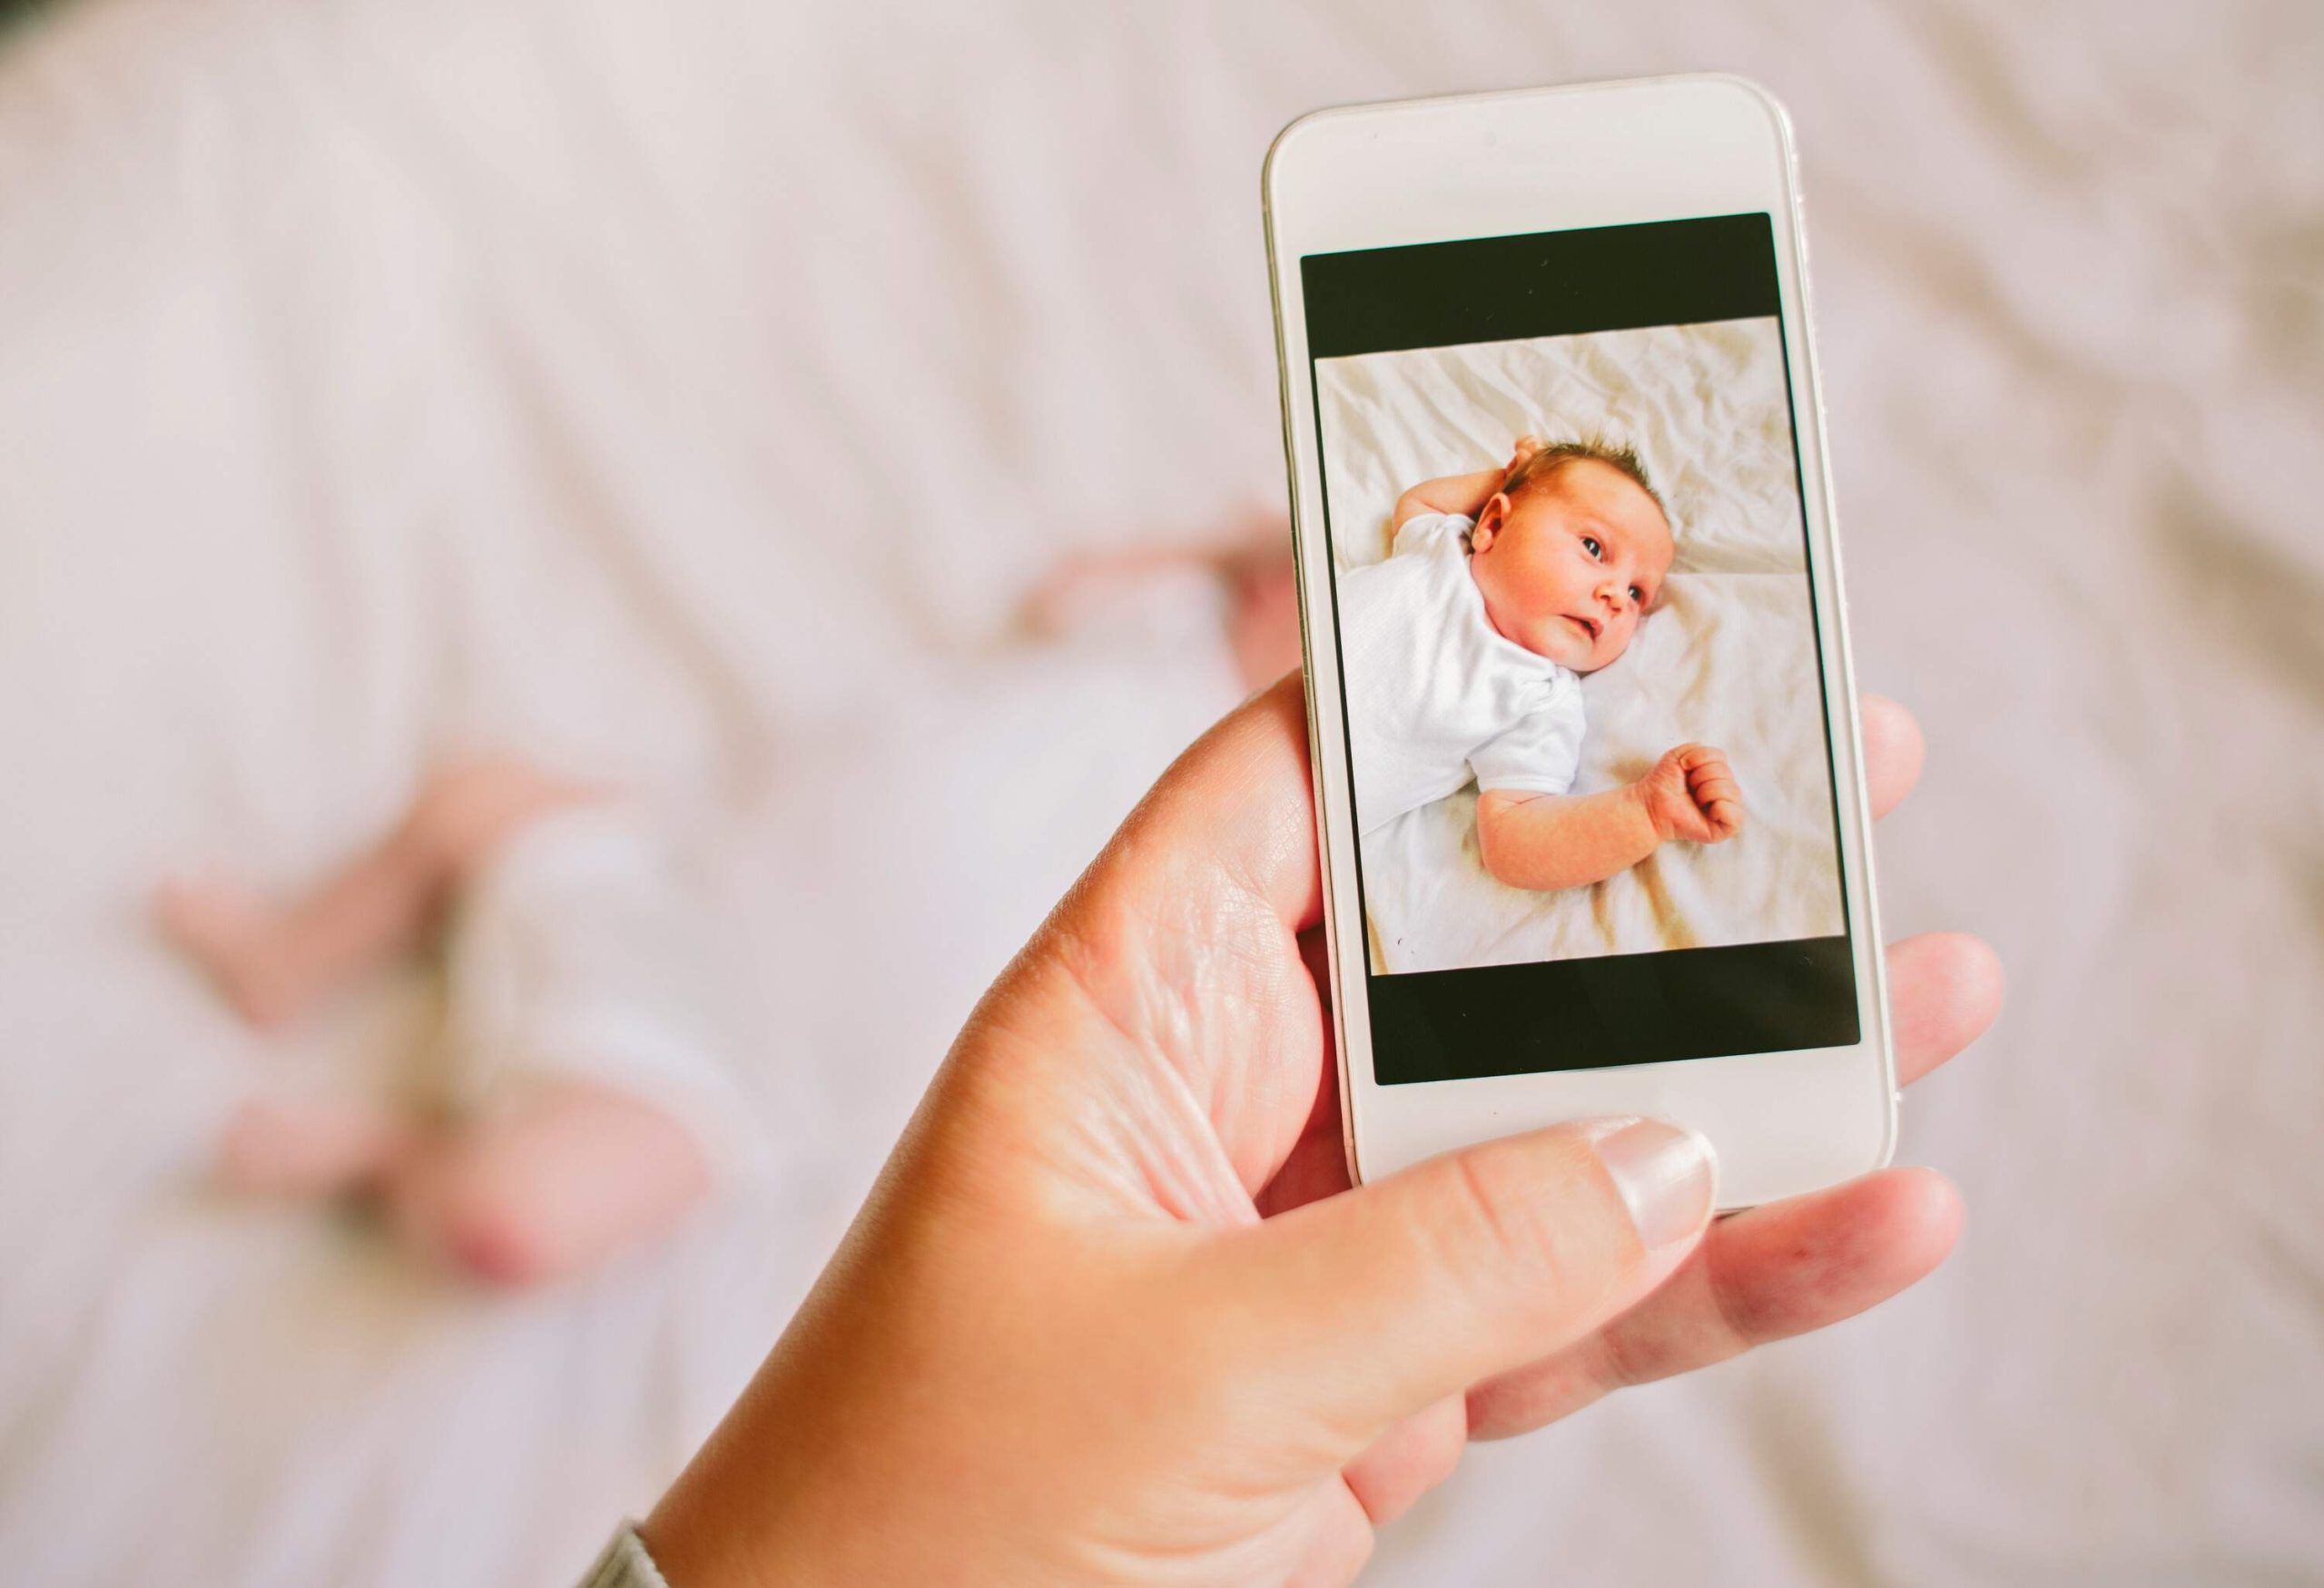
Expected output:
{"points": [[1582, 693]]}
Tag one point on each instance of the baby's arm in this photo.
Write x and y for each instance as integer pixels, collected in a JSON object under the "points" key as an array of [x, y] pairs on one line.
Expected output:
{"points": [[1465, 494], [1542, 841]]}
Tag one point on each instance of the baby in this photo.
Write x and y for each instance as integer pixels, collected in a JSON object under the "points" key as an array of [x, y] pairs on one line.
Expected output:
{"points": [[1463, 653]]}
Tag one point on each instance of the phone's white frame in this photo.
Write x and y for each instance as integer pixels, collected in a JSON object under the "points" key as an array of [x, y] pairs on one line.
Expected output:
{"points": [[1551, 160]]}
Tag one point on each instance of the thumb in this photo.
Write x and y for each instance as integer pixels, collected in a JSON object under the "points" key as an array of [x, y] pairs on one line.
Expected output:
{"points": [[1402, 1292]]}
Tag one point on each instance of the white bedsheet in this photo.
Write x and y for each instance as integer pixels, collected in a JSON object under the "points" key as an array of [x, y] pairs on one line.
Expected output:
{"points": [[1727, 658], [692, 385]]}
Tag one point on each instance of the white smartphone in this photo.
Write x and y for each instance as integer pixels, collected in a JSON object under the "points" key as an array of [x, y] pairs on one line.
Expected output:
{"points": [[1595, 838]]}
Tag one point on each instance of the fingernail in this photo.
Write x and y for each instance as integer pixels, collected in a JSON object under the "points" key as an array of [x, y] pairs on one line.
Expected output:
{"points": [[1667, 1175]]}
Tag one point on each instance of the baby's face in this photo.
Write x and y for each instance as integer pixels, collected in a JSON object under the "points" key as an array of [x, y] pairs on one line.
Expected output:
{"points": [[1568, 568]]}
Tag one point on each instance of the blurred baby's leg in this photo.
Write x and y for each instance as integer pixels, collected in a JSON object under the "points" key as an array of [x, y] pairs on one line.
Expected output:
{"points": [[271, 964], [568, 1175], [235, 937], [312, 1146]]}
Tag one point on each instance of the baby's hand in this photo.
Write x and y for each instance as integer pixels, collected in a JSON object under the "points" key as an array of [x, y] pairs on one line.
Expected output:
{"points": [[1525, 448], [1691, 794]]}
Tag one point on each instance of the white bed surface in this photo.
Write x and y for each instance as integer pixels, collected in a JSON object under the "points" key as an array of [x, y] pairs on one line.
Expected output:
{"points": [[669, 379], [1727, 658]]}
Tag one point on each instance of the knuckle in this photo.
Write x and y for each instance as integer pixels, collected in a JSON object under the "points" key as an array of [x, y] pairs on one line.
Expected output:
{"points": [[1502, 1219]]}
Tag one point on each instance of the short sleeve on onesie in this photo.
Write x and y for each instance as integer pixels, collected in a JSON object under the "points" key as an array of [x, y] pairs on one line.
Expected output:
{"points": [[1540, 753], [1436, 693]]}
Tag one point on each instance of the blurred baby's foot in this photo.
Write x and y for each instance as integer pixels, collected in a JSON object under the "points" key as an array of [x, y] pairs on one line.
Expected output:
{"points": [[232, 935], [309, 1147]]}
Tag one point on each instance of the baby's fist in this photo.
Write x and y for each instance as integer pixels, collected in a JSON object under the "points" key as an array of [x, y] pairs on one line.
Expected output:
{"points": [[1691, 793]]}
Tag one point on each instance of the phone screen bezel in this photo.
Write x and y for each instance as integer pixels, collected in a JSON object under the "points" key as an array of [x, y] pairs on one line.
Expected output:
{"points": [[1511, 165]]}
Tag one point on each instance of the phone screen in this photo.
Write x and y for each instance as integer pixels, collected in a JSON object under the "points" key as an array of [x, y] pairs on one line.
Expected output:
{"points": [[1579, 662]]}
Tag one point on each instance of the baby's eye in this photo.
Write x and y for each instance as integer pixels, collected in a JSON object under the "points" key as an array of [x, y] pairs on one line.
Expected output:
{"points": [[1638, 596], [1589, 544]]}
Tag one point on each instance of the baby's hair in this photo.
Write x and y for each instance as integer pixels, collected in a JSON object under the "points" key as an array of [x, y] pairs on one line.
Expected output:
{"points": [[1542, 466]]}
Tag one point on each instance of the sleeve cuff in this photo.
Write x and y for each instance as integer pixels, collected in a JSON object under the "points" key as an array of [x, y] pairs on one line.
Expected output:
{"points": [[625, 1563]]}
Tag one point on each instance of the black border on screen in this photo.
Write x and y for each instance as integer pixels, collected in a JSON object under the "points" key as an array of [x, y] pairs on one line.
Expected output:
{"points": [[1607, 1009]]}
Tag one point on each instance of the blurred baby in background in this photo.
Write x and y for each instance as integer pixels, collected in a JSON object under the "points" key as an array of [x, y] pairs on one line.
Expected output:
{"points": [[577, 1106]]}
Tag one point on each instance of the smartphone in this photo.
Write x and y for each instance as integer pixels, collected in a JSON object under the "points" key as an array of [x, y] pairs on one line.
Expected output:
{"points": [[1588, 780]]}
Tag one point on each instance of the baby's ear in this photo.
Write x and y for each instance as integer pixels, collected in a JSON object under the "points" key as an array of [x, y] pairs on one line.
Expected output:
{"points": [[1490, 518]]}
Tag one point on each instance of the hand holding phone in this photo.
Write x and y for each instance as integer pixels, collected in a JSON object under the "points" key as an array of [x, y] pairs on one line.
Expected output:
{"points": [[1125, 1189]]}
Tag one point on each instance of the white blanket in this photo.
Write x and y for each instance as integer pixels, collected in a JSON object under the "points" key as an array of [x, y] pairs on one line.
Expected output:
{"points": [[694, 384], [1727, 658]]}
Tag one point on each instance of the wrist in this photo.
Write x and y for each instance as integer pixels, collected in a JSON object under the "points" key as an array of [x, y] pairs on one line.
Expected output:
{"points": [[730, 1521], [1643, 802]]}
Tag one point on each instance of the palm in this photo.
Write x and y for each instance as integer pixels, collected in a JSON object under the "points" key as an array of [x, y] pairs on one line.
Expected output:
{"points": [[1206, 967]]}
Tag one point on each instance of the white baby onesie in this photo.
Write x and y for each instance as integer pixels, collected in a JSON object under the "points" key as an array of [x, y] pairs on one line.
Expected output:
{"points": [[581, 952], [1436, 693]]}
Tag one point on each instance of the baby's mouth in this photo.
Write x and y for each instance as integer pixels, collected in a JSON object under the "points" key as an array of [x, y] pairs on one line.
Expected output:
{"points": [[1587, 624]]}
